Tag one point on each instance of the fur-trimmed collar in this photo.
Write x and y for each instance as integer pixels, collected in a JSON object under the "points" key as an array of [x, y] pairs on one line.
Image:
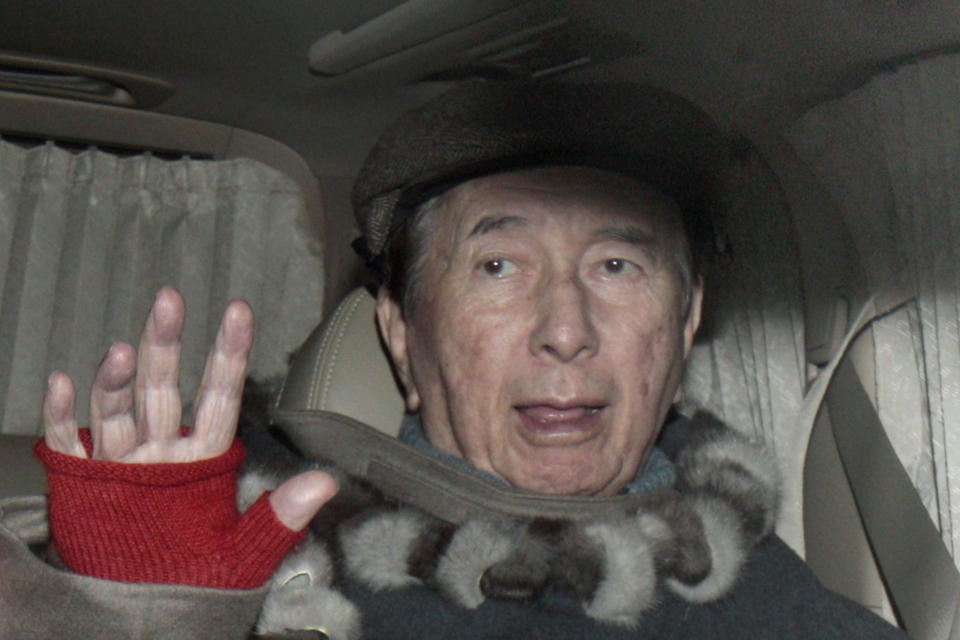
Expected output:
{"points": [[693, 540]]}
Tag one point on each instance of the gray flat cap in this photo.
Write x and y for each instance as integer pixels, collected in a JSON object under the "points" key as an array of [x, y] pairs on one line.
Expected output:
{"points": [[480, 128]]}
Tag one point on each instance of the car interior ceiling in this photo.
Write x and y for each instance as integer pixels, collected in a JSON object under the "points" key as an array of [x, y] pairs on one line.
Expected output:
{"points": [[843, 114]]}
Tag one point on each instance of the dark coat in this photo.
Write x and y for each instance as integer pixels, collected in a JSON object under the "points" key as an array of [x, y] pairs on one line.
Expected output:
{"points": [[778, 597]]}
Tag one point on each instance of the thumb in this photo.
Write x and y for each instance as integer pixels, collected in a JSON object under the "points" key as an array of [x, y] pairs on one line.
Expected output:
{"points": [[298, 500]]}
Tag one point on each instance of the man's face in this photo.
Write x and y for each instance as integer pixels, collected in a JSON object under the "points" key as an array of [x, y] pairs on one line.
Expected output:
{"points": [[548, 335]]}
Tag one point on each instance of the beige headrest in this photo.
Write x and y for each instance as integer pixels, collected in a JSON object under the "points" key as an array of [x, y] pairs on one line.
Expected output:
{"points": [[342, 367]]}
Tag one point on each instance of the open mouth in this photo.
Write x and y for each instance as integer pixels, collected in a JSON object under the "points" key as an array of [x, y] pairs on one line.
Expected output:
{"points": [[545, 423]]}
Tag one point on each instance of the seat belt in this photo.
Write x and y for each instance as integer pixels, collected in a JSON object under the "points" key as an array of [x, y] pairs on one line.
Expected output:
{"points": [[424, 481], [921, 577]]}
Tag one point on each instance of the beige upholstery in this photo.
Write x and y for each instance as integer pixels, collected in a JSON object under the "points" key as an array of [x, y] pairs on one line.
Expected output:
{"points": [[343, 368]]}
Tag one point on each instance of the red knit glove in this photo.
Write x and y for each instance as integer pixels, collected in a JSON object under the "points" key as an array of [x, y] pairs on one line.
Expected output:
{"points": [[171, 523]]}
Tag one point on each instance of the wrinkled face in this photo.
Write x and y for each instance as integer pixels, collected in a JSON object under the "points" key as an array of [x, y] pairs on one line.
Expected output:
{"points": [[549, 331]]}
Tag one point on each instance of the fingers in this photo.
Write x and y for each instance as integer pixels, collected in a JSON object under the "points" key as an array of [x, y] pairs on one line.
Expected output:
{"points": [[111, 404], [59, 424], [157, 389], [221, 389], [298, 500], [135, 408]]}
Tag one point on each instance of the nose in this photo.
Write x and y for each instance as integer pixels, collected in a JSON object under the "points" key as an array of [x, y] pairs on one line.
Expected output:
{"points": [[564, 327]]}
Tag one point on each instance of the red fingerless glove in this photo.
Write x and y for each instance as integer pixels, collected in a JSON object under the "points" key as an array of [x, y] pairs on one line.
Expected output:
{"points": [[171, 523]]}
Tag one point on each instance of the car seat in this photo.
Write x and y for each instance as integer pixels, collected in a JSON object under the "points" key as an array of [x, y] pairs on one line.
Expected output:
{"points": [[343, 368]]}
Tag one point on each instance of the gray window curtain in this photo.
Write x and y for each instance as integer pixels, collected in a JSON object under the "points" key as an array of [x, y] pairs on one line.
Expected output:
{"points": [[87, 238], [889, 154]]}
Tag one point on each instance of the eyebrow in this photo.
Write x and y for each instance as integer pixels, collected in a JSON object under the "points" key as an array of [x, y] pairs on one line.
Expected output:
{"points": [[489, 224]]}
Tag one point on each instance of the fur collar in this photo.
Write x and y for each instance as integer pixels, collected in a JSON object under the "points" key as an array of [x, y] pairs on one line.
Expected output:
{"points": [[693, 540]]}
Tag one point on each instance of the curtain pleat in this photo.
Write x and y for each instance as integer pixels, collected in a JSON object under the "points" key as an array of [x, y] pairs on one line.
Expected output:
{"points": [[747, 365], [86, 240]]}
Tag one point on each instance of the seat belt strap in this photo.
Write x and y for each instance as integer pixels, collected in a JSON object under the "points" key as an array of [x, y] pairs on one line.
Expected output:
{"points": [[428, 483], [921, 577], [790, 525]]}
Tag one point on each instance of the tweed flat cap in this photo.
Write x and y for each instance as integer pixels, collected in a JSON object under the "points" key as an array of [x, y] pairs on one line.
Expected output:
{"points": [[480, 128]]}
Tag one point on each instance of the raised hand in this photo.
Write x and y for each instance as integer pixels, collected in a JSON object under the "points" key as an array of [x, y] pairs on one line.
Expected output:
{"points": [[135, 407]]}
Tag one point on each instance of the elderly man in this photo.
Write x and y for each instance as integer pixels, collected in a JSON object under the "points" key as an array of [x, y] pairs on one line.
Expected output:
{"points": [[539, 300]]}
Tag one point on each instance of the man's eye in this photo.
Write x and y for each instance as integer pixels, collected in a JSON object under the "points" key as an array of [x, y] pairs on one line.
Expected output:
{"points": [[618, 266], [498, 267]]}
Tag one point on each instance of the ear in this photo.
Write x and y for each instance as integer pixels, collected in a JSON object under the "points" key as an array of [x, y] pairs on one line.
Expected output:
{"points": [[393, 330], [692, 322]]}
